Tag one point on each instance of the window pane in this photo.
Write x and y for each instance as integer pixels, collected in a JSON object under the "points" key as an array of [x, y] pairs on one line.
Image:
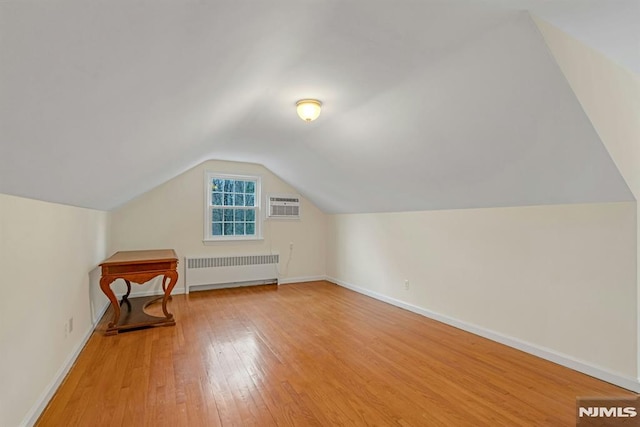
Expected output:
{"points": [[218, 184], [251, 228], [239, 228], [228, 228], [232, 211], [217, 229]]}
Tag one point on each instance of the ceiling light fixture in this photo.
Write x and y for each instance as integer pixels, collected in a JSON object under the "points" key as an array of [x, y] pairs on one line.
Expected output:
{"points": [[308, 109]]}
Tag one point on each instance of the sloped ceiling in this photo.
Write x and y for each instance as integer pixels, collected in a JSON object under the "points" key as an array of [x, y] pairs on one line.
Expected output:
{"points": [[610, 26], [427, 104]]}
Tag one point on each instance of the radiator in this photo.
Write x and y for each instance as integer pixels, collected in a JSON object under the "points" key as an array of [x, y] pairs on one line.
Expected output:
{"points": [[229, 270]]}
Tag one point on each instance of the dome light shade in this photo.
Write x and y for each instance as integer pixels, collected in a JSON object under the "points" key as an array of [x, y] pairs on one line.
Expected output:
{"points": [[308, 109]]}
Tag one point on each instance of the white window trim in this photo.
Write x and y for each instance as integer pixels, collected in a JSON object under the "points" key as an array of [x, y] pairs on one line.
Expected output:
{"points": [[210, 238]]}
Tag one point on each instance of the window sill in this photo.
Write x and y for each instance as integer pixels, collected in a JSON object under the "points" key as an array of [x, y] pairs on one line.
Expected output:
{"points": [[208, 242]]}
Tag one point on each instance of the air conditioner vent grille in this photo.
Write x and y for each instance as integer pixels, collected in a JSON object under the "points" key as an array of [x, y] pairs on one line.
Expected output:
{"points": [[285, 211], [285, 206]]}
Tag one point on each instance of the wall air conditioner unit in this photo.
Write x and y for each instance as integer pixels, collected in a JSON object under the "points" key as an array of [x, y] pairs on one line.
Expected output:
{"points": [[284, 206]]}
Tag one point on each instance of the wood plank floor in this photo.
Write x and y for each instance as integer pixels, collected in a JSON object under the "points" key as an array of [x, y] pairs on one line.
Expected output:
{"points": [[311, 354]]}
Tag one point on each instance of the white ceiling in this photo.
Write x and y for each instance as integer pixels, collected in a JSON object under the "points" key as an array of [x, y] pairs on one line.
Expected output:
{"points": [[610, 26], [427, 104]]}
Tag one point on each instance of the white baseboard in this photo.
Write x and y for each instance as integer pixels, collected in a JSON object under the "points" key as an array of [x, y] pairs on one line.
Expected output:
{"points": [[301, 279], [196, 288], [286, 281], [181, 290], [42, 402], [151, 292], [102, 311], [628, 383]]}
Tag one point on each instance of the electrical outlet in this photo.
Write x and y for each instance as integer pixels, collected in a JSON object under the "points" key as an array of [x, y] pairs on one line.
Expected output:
{"points": [[70, 324], [406, 285]]}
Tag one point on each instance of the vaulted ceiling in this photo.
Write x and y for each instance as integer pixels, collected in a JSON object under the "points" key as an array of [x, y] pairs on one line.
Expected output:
{"points": [[427, 104]]}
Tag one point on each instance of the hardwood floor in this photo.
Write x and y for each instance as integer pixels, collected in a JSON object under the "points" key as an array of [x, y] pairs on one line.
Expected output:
{"points": [[311, 354]]}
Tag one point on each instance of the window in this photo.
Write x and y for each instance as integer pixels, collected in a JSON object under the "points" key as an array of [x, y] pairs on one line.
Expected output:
{"points": [[232, 208]]}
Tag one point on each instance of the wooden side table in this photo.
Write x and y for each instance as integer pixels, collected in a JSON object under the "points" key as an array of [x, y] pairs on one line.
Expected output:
{"points": [[139, 267]]}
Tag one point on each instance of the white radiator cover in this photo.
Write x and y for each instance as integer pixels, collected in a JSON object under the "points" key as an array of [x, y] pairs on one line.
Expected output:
{"points": [[227, 271]]}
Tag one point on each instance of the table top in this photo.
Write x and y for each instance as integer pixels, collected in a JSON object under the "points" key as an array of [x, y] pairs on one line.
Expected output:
{"points": [[141, 257]]}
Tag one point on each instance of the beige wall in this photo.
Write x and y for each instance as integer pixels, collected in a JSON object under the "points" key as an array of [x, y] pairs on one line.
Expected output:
{"points": [[171, 216], [557, 277], [46, 253], [610, 96]]}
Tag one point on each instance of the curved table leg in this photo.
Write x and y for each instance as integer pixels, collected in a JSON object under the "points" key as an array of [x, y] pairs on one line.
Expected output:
{"points": [[124, 297], [173, 279], [165, 281], [105, 285]]}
